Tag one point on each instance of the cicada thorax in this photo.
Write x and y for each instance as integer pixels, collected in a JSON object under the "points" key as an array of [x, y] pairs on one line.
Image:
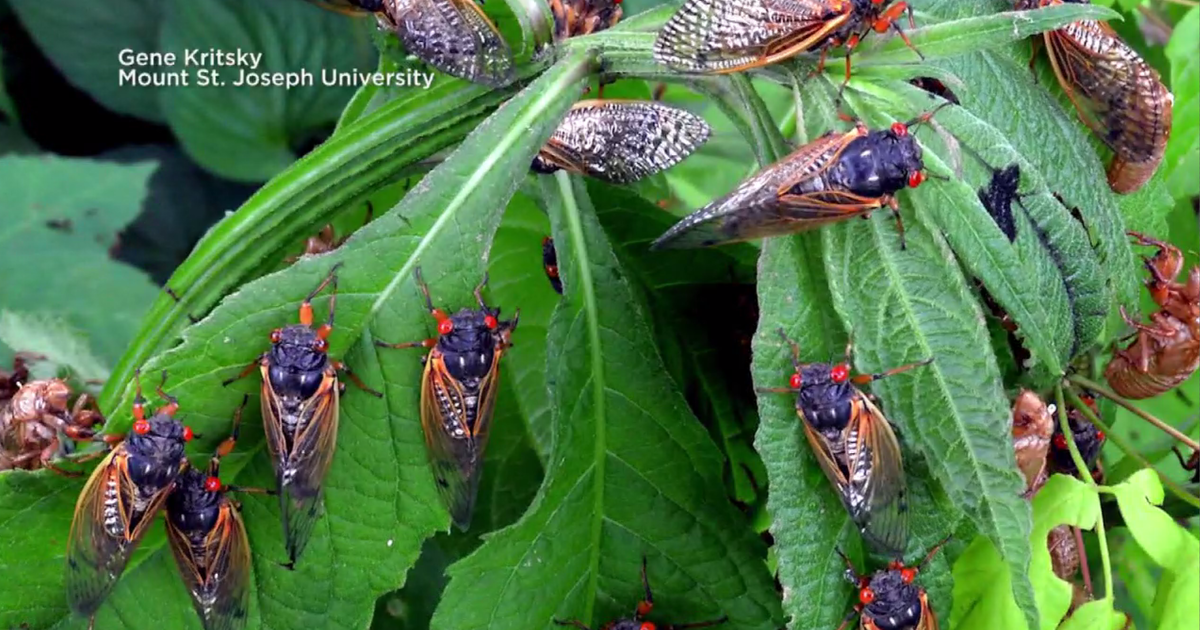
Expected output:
{"points": [[895, 604], [1118, 95], [550, 264], [583, 17], [1032, 430], [878, 164], [621, 141]]}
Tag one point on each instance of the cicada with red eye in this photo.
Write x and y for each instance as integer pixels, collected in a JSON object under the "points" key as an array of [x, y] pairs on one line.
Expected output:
{"points": [[583, 17], [300, 393], [836, 177], [621, 141], [1032, 429], [855, 445], [1088, 439], [724, 36], [550, 264], [121, 498], [637, 621], [890, 599], [1117, 94], [458, 395], [208, 539]]}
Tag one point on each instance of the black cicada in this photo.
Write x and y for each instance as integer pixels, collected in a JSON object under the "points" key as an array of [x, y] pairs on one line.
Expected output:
{"points": [[300, 391], [550, 264], [1088, 439], [621, 141], [458, 395], [836, 177], [890, 599], [855, 445], [121, 499], [208, 539], [636, 622]]}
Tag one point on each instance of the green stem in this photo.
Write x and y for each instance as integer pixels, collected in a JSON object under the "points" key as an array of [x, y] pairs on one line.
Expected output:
{"points": [[1113, 396], [1129, 450], [1086, 476]]}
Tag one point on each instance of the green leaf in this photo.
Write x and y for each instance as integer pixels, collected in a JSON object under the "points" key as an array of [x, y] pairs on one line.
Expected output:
{"points": [[246, 131], [92, 63], [75, 279], [1097, 615], [983, 590], [380, 502], [1062, 501], [52, 338], [1182, 159], [6, 105], [630, 473]]}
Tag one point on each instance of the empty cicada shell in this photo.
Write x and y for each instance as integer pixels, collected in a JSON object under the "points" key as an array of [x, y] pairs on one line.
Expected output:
{"points": [[583, 17], [1032, 428]]}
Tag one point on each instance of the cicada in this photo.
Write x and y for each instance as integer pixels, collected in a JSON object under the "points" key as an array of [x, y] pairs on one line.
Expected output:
{"points": [[583, 17], [723, 36], [458, 395], [637, 621], [550, 264], [1032, 428], [855, 445], [208, 539], [121, 499], [300, 393], [1117, 94], [890, 599], [836, 177], [1088, 439], [621, 141], [1167, 352], [30, 424]]}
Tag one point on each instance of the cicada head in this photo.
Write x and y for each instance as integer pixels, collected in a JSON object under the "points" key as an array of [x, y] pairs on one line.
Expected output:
{"points": [[892, 601], [824, 395], [154, 451], [194, 505], [469, 340], [900, 162], [297, 362]]}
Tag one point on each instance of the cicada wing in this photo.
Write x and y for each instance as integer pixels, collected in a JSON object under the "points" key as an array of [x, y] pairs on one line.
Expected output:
{"points": [[624, 141], [928, 617], [303, 459], [219, 581], [104, 532], [824, 452], [877, 490], [1115, 91], [455, 440], [720, 36], [454, 36]]}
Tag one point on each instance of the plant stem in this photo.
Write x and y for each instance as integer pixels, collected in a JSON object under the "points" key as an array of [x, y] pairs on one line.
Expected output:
{"points": [[1129, 450], [1111, 395], [1086, 475]]}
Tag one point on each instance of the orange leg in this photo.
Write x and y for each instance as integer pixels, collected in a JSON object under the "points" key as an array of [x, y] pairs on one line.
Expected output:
{"points": [[342, 367], [306, 313], [246, 371], [172, 402]]}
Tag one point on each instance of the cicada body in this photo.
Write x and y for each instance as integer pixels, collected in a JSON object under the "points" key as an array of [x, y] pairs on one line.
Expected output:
{"points": [[855, 446], [454, 36], [1032, 429], [583, 17], [621, 141], [724, 36], [458, 395], [644, 607], [31, 421], [550, 264], [208, 539], [836, 177], [1117, 94], [300, 393], [890, 599], [1088, 439], [120, 500]]}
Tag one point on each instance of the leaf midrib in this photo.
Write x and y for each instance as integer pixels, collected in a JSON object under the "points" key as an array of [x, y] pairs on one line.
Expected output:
{"points": [[600, 450]]}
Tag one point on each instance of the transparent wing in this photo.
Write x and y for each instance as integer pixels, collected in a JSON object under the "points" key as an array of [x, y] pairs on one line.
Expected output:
{"points": [[454, 36], [219, 582], [876, 479]]}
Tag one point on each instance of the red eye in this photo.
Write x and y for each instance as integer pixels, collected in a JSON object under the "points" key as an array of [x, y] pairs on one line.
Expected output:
{"points": [[878, 1], [908, 575], [490, 322], [866, 595], [839, 373], [445, 327], [900, 129], [1060, 442], [795, 381], [646, 625], [320, 345], [915, 179], [212, 484], [187, 434], [276, 335], [141, 427], [1099, 436]]}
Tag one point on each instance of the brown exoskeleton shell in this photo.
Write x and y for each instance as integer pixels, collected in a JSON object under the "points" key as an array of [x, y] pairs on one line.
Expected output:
{"points": [[30, 423], [1032, 428]]}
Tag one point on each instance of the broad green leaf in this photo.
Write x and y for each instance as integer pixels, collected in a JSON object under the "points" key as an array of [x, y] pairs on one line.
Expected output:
{"points": [[1182, 159], [54, 339], [1097, 615], [380, 502], [56, 245], [93, 63], [244, 130], [1062, 501], [983, 590], [631, 473]]}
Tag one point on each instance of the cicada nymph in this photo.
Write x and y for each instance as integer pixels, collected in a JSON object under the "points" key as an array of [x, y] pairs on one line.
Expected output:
{"points": [[836, 177], [121, 499], [300, 393], [458, 395], [638, 620], [855, 446], [1117, 94], [621, 141]]}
